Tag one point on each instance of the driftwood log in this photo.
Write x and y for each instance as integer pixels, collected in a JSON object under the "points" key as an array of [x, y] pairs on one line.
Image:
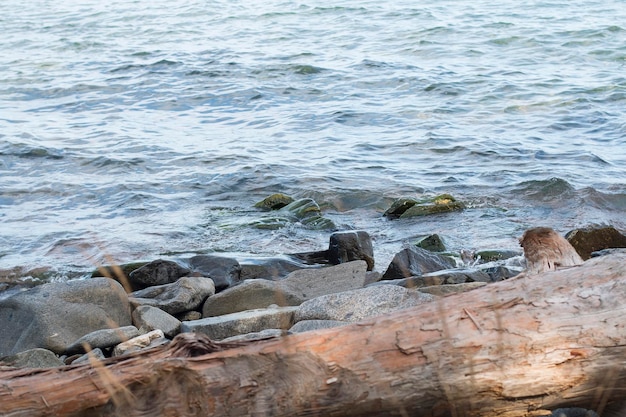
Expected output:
{"points": [[514, 348]]}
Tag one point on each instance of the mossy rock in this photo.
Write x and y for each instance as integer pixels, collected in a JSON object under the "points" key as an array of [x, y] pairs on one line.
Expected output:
{"points": [[432, 243], [305, 210], [274, 202], [399, 206], [271, 223], [443, 203]]}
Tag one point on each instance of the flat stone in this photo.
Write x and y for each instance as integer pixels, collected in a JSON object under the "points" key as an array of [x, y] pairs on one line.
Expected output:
{"points": [[308, 325], [221, 327], [148, 318], [104, 338], [311, 283], [262, 335], [356, 305]]}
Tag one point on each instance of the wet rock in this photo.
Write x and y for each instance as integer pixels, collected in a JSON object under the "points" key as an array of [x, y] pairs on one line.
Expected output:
{"points": [[356, 305], [432, 243], [309, 325], [144, 341], [228, 325], [305, 211], [104, 338], [441, 290], [351, 246], [414, 261], [33, 358], [157, 272], [493, 255], [274, 202], [53, 316], [120, 273], [188, 293], [311, 283], [249, 295], [148, 318], [408, 207], [225, 272], [595, 238], [269, 268]]}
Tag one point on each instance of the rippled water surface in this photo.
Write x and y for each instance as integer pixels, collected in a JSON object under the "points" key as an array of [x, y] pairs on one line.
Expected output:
{"points": [[133, 130]]}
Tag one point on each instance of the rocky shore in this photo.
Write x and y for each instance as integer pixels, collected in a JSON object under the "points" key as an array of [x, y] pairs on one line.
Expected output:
{"points": [[130, 307]]}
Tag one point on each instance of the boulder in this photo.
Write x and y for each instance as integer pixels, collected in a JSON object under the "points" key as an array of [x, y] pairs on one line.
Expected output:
{"points": [[595, 238], [415, 261], [33, 358], [225, 272], [221, 327], [188, 293], [432, 243], [356, 305], [351, 246], [311, 283], [268, 268], [157, 272], [104, 338], [250, 295], [148, 318], [274, 202], [53, 316]]}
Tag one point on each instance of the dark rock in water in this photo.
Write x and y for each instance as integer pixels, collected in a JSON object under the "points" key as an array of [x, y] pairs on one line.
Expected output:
{"points": [[53, 316], [492, 255], [304, 211], [186, 294], [274, 202], [157, 272], [225, 272], [398, 207], [414, 261], [432, 243], [33, 358], [102, 339], [351, 246], [595, 238], [269, 268]]}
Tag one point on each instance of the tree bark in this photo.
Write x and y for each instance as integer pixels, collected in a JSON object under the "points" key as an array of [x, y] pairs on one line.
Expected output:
{"points": [[513, 348]]}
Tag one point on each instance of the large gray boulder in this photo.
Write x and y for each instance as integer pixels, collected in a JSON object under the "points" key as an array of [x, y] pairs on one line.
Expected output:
{"points": [[188, 293], [357, 305], [53, 316], [250, 295]]}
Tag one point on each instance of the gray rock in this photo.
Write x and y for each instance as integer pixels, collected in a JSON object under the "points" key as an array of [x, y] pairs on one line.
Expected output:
{"points": [[157, 272], [53, 316], [268, 268], [189, 315], [432, 243], [594, 238], [33, 358], [441, 290], [104, 338], [221, 327], [225, 272], [357, 305], [262, 335], [96, 354], [148, 318], [415, 261], [249, 295], [412, 282], [144, 341], [308, 325], [311, 283], [188, 293], [351, 246], [459, 276], [499, 273]]}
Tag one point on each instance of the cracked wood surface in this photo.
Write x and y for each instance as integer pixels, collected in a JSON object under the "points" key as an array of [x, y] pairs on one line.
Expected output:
{"points": [[512, 348]]}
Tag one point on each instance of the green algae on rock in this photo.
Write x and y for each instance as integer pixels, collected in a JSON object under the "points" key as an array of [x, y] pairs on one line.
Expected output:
{"points": [[274, 202], [409, 207], [305, 211]]}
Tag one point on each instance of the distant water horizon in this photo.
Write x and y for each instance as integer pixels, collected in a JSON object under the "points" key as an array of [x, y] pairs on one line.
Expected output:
{"points": [[141, 130]]}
